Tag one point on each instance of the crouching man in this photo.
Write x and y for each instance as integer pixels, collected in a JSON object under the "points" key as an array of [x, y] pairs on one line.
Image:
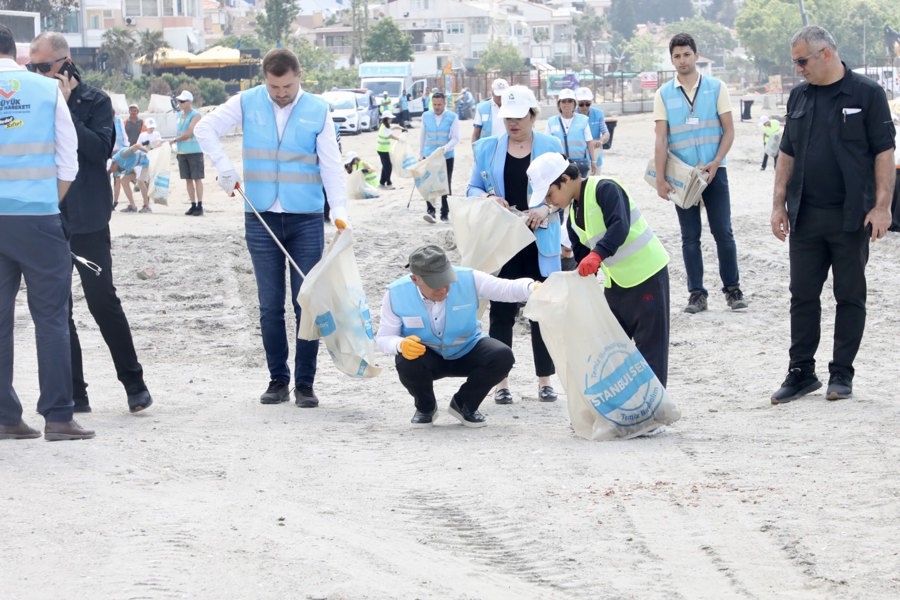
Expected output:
{"points": [[429, 320]]}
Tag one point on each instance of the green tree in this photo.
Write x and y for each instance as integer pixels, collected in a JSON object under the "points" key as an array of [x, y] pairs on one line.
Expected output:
{"points": [[312, 58], [857, 27], [274, 25], [643, 53], [764, 28], [712, 39], [623, 17], [589, 27], [53, 12], [243, 42], [722, 12], [119, 46], [385, 42], [148, 44], [501, 57]]}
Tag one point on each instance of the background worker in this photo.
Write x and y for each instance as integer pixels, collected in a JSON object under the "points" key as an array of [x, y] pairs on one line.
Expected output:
{"points": [[771, 128], [584, 97], [190, 156], [487, 123], [130, 164], [384, 151], [440, 130], [573, 131]]}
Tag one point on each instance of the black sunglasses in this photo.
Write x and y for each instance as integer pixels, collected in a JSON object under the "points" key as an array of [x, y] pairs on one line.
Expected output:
{"points": [[584, 104], [801, 62], [43, 67], [181, 101]]}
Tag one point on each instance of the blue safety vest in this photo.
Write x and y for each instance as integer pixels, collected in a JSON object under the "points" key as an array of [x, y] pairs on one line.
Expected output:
{"points": [[574, 143], [490, 160], [404, 103], [28, 144], [127, 164], [462, 328], [437, 136], [190, 145], [285, 169], [698, 141], [484, 109], [597, 122]]}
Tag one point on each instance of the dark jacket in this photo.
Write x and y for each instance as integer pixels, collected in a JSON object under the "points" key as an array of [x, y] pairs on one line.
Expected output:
{"points": [[88, 204], [859, 127]]}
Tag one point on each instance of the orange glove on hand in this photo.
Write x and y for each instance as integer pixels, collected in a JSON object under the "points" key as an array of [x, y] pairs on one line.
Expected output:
{"points": [[412, 347], [340, 224], [589, 264]]}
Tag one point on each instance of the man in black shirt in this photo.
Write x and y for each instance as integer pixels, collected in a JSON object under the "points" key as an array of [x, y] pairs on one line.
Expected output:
{"points": [[86, 212], [833, 187]]}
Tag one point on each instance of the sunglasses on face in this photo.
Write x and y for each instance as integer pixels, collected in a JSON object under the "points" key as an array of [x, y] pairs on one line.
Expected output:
{"points": [[567, 100], [584, 104], [182, 101], [801, 62], [43, 67]]}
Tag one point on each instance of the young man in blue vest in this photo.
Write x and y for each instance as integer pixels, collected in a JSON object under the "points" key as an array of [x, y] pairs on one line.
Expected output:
{"points": [[38, 162], [291, 159], [694, 122], [190, 156], [440, 130], [429, 320]]}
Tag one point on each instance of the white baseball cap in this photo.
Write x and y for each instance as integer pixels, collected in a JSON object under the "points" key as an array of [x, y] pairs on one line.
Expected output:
{"points": [[584, 94], [566, 94], [498, 86], [763, 120], [517, 101], [544, 170], [185, 95], [350, 157], [134, 105], [150, 122]]}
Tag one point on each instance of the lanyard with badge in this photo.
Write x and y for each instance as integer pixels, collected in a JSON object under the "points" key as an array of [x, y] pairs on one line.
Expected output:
{"points": [[692, 120]]}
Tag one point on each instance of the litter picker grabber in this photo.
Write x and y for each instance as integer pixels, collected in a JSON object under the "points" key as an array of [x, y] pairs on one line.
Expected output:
{"points": [[297, 268]]}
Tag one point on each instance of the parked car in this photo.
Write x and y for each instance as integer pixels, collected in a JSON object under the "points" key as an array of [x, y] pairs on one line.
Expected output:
{"points": [[368, 119], [348, 110]]}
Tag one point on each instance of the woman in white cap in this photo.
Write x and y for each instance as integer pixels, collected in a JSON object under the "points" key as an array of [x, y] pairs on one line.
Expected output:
{"points": [[487, 122], [573, 130], [352, 162], [500, 172], [609, 232]]}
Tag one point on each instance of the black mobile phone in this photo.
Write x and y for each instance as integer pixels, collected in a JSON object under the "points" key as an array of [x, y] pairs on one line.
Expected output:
{"points": [[70, 70]]}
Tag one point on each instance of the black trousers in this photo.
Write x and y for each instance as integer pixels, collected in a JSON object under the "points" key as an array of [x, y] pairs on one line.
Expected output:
{"points": [[104, 305], [895, 209], [819, 243], [643, 312], [386, 168], [445, 210], [766, 161], [483, 367]]}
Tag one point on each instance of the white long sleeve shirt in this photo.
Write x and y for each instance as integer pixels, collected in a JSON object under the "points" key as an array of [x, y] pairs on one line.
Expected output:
{"points": [[487, 287], [66, 141], [226, 117], [454, 134]]}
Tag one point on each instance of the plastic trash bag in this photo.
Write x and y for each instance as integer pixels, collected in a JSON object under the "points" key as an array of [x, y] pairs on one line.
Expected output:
{"points": [[431, 176], [158, 173], [357, 188], [612, 392], [487, 235], [334, 308], [401, 156]]}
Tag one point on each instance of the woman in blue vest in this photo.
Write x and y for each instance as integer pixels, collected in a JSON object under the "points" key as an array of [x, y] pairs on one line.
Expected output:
{"points": [[596, 121], [573, 130], [500, 172]]}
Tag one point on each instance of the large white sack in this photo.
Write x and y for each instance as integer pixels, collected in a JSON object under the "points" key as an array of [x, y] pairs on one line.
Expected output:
{"points": [[487, 235], [612, 392], [357, 188], [431, 176], [159, 173], [402, 157], [334, 307]]}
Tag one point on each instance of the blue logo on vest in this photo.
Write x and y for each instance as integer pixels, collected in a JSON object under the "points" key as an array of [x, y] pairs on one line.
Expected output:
{"points": [[621, 386]]}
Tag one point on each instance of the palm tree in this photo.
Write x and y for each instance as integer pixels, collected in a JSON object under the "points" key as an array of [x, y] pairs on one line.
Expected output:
{"points": [[588, 27], [119, 46], [149, 44]]}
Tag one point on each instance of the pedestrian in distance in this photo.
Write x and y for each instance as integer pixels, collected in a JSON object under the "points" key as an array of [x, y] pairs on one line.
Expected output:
{"points": [[771, 129], [584, 97], [487, 123], [290, 160], [429, 321], [38, 162], [86, 211], [833, 187], [384, 150], [189, 155], [694, 121]]}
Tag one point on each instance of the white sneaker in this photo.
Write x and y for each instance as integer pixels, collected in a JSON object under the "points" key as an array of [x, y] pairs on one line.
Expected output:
{"points": [[429, 218]]}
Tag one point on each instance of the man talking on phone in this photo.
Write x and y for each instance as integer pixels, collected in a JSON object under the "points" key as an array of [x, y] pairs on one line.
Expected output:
{"points": [[86, 211]]}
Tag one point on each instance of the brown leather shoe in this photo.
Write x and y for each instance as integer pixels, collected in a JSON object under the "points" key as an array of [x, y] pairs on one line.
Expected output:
{"points": [[70, 430], [18, 432]]}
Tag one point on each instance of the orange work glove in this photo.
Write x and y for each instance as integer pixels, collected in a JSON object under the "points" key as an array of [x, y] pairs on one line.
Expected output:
{"points": [[589, 264], [412, 347], [340, 224]]}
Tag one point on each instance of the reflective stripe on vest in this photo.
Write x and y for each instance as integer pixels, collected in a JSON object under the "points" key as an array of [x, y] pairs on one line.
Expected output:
{"points": [[28, 144], [639, 257], [694, 143], [437, 135], [384, 139], [285, 169], [190, 145], [462, 329], [577, 143]]}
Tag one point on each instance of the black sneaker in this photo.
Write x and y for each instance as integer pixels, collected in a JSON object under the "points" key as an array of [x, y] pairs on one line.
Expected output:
{"points": [[735, 298], [445, 219], [191, 210], [199, 211], [839, 387], [696, 303], [547, 394], [139, 401], [277, 392], [423, 419], [468, 418], [305, 397], [797, 383]]}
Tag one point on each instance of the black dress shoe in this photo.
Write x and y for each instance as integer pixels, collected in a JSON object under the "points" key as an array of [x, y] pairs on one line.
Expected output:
{"points": [[20, 431], [305, 397], [423, 419], [469, 418], [839, 387], [547, 394], [68, 430], [797, 383], [138, 401], [503, 396]]}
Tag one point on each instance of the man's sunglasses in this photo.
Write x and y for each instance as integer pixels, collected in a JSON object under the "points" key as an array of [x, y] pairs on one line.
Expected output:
{"points": [[181, 101], [43, 67], [801, 62], [584, 104]]}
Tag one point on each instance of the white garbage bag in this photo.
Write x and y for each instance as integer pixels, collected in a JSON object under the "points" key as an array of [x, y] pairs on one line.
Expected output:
{"points": [[334, 307], [357, 188], [774, 144], [158, 173], [431, 176], [612, 391], [402, 157], [487, 235]]}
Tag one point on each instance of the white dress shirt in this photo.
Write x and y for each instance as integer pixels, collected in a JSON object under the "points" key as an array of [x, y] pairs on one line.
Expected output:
{"points": [[230, 115], [487, 287], [66, 141], [454, 134]]}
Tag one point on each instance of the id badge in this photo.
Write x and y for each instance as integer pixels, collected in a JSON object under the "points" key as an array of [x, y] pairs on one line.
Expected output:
{"points": [[692, 121]]}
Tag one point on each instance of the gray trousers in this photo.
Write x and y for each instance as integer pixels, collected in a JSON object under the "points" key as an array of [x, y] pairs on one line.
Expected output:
{"points": [[35, 247]]}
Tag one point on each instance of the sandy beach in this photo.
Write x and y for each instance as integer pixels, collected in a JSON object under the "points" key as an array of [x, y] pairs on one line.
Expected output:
{"points": [[210, 494]]}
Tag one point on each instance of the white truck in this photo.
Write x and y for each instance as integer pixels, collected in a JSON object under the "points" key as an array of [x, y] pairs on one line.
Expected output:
{"points": [[393, 78]]}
